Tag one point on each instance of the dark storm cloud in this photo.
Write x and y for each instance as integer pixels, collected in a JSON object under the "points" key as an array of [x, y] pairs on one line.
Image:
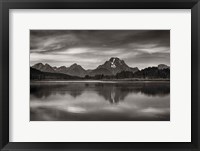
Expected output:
{"points": [[150, 47]]}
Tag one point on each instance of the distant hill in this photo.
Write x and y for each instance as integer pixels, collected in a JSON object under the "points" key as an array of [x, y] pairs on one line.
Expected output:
{"points": [[162, 66]]}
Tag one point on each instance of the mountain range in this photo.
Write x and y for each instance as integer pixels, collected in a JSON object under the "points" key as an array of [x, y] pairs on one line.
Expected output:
{"points": [[112, 67]]}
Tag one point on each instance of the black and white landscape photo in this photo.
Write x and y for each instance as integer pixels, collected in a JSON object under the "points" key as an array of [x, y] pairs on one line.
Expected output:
{"points": [[99, 75]]}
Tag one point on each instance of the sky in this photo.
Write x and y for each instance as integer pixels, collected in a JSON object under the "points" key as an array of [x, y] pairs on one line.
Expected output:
{"points": [[91, 48]]}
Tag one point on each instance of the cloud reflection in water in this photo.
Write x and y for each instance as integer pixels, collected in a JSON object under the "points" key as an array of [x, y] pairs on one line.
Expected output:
{"points": [[98, 101]]}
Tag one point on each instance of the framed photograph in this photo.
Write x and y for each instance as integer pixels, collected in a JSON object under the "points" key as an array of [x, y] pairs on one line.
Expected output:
{"points": [[99, 75]]}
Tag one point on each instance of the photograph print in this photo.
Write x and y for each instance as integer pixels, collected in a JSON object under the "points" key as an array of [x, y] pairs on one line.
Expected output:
{"points": [[99, 75]]}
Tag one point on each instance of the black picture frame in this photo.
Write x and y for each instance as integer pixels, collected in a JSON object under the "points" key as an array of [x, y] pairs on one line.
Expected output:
{"points": [[5, 5]]}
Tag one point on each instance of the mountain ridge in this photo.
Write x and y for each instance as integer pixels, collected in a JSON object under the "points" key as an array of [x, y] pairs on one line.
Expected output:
{"points": [[111, 67]]}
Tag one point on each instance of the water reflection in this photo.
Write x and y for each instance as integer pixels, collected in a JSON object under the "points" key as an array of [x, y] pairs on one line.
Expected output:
{"points": [[112, 92], [83, 100]]}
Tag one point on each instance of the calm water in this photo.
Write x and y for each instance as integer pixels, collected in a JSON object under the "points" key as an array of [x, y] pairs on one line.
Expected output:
{"points": [[99, 101]]}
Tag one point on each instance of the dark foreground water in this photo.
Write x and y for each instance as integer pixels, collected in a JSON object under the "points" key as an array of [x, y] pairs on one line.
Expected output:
{"points": [[99, 101]]}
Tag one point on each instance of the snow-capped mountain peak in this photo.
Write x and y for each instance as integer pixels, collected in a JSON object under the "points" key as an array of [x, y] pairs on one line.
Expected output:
{"points": [[112, 64], [115, 65]]}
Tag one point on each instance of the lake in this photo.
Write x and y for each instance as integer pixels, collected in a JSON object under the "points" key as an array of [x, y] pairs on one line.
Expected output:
{"points": [[100, 101]]}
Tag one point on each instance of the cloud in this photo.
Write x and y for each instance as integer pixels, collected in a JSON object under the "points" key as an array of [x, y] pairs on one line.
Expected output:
{"points": [[90, 47]]}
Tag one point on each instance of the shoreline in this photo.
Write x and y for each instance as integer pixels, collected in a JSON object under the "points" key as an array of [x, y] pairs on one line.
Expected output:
{"points": [[102, 80]]}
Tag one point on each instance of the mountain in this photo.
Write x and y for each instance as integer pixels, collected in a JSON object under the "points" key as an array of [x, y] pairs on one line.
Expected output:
{"points": [[44, 68], [112, 67], [55, 68], [76, 70], [162, 66], [61, 69]]}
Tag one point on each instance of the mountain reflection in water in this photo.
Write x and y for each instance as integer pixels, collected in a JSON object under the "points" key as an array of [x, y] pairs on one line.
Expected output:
{"points": [[100, 101]]}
